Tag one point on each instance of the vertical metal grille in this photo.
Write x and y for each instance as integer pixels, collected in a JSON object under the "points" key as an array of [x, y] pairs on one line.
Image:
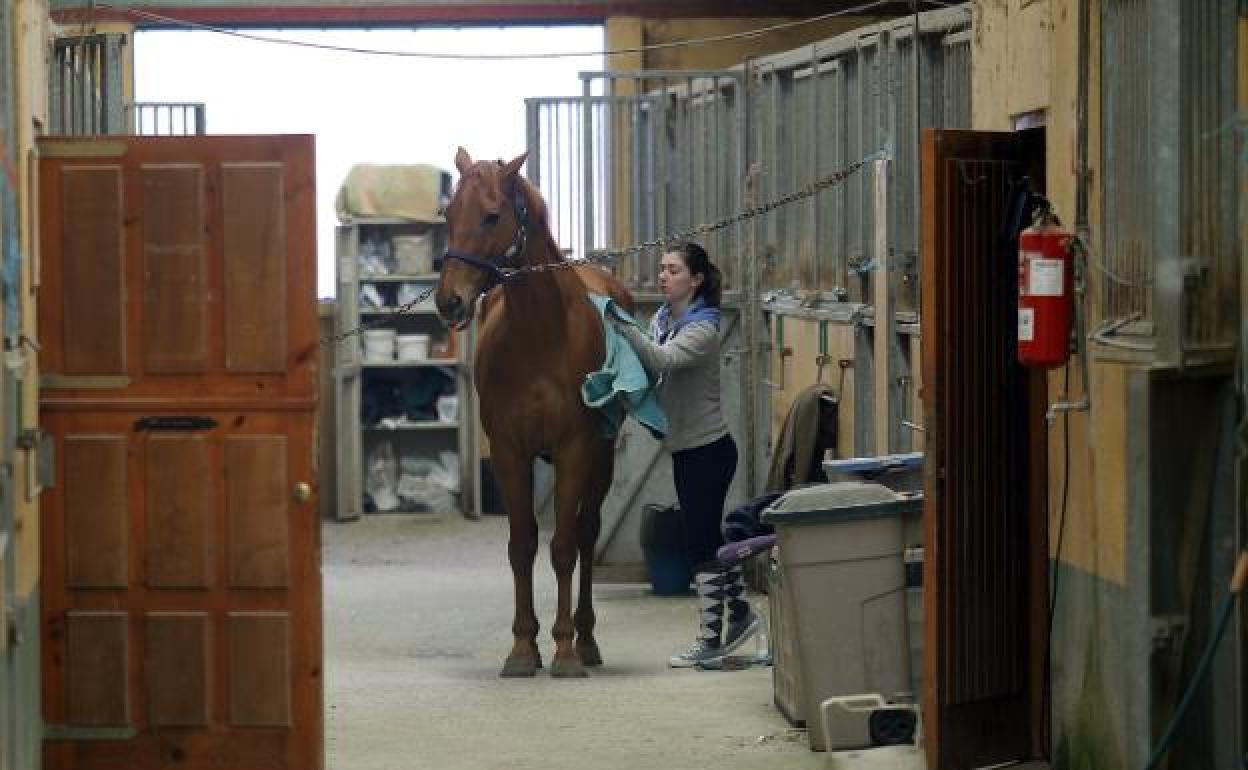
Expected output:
{"points": [[954, 103], [667, 150], [86, 85], [1128, 201], [1209, 172], [167, 119], [985, 504], [821, 107], [656, 152], [555, 145]]}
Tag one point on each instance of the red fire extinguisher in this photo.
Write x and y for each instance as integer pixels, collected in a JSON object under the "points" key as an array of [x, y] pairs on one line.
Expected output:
{"points": [[1045, 294]]}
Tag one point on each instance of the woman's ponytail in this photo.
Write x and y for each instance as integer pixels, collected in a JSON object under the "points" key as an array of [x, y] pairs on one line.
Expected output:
{"points": [[712, 289]]}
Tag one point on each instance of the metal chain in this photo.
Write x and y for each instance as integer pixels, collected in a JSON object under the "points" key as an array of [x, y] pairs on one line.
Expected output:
{"points": [[603, 257]]}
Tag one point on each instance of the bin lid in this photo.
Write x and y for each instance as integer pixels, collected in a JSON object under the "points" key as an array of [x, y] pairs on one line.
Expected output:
{"points": [[875, 464], [839, 501]]}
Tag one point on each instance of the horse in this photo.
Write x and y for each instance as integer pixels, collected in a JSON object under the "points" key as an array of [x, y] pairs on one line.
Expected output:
{"points": [[538, 336]]}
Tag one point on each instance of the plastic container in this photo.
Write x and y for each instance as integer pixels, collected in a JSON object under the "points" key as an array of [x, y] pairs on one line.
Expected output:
{"points": [[867, 720], [786, 672], [413, 347], [447, 408], [379, 344], [899, 472], [839, 550], [413, 253]]}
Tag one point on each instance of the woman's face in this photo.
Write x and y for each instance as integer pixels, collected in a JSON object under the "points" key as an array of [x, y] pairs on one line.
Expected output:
{"points": [[675, 280]]}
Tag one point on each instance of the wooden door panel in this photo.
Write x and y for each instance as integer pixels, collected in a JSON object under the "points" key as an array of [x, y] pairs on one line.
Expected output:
{"points": [[181, 598], [983, 505], [186, 266], [177, 669], [175, 290], [96, 501], [259, 644], [217, 623], [255, 289], [97, 663], [89, 318], [257, 487], [179, 502]]}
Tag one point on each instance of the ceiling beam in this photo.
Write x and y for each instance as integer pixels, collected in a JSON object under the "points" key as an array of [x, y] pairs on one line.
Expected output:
{"points": [[336, 13]]}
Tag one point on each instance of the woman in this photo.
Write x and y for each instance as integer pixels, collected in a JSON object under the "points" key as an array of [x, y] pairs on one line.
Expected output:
{"points": [[683, 353]]}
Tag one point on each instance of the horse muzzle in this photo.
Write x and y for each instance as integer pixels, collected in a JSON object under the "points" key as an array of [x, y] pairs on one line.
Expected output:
{"points": [[455, 312]]}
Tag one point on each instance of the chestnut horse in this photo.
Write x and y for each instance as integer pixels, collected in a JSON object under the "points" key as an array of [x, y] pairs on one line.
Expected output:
{"points": [[538, 337]]}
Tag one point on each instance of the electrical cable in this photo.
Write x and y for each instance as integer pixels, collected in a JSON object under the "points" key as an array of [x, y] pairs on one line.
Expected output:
{"points": [[191, 25], [1047, 693]]}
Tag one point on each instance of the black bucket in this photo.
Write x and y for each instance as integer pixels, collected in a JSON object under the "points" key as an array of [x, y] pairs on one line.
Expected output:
{"points": [[663, 543]]}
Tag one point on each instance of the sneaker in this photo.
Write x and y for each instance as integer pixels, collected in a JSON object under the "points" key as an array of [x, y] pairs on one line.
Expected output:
{"points": [[738, 631], [700, 652]]}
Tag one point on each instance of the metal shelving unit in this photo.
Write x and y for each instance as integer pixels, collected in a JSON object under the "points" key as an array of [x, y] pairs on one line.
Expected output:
{"points": [[353, 374]]}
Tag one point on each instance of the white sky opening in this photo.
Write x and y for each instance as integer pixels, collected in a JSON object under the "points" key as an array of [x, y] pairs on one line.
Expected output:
{"points": [[366, 108]]}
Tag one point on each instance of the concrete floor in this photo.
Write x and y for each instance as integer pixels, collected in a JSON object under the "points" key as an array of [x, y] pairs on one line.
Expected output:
{"points": [[417, 622]]}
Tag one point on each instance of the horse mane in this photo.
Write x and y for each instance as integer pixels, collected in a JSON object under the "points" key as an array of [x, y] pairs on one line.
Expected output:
{"points": [[539, 214]]}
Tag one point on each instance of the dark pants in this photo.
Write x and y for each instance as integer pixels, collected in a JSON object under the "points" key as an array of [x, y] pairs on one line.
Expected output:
{"points": [[702, 476]]}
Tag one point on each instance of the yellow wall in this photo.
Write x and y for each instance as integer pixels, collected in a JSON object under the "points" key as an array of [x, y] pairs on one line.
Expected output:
{"points": [[33, 37], [1010, 55], [1024, 59]]}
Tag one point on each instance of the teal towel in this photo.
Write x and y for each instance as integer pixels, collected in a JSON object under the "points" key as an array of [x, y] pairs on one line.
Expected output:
{"points": [[621, 387]]}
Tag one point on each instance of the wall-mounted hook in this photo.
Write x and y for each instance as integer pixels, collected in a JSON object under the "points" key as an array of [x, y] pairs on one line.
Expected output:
{"points": [[785, 352], [821, 360]]}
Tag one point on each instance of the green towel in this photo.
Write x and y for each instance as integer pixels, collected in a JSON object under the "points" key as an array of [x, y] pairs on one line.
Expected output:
{"points": [[621, 387]]}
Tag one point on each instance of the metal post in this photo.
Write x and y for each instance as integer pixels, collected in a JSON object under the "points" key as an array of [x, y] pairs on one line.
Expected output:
{"points": [[113, 90], [747, 272], [882, 286], [1169, 297], [532, 114], [587, 165]]}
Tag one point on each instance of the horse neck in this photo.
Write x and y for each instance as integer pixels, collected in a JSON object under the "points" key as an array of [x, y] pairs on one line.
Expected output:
{"points": [[536, 301]]}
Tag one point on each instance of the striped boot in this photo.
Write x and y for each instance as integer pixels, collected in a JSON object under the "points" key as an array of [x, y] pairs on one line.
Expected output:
{"points": [[712, 590], [743, 622]]}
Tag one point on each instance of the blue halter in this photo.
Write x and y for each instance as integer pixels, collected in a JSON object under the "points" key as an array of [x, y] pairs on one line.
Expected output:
{"points": [[498, 275]]}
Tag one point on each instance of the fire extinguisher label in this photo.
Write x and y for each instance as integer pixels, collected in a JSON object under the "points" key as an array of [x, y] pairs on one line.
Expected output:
{"points": [[1026, 324], [1046, 277]]}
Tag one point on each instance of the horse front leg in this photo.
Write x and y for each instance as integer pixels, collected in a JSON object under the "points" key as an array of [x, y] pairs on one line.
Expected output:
{"points": [[572, 469], [515, 480], [588, 524]]}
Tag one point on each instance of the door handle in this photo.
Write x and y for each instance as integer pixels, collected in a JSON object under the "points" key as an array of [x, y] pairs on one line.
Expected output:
{"points": [[303, 492]]}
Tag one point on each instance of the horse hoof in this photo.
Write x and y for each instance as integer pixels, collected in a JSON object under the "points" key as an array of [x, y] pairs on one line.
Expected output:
{"points": [[589, 654], [567, 668], [520, 667]]}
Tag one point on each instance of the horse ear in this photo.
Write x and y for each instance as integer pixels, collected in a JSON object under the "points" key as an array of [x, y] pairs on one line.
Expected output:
{"points": [[511, 168], [463, 161]]}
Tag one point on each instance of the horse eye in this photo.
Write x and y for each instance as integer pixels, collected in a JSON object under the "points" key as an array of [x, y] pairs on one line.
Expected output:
{"points": [[490, 220]]}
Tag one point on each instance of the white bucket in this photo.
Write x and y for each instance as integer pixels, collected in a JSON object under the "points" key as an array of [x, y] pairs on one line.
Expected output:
{"points": [[413, 347], [448, 408], [414, 253], [379, 344]]}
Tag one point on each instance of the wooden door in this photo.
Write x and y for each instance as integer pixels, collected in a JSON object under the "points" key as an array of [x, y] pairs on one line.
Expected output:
{"points": [[181, 577], [984, 509]]}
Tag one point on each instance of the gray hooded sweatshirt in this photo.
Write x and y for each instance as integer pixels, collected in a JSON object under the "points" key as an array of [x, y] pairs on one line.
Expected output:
{"points": [[687, 366]]}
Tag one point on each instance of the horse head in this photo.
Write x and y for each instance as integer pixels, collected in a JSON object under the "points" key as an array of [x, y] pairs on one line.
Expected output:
{"points": [[487, 222]]}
